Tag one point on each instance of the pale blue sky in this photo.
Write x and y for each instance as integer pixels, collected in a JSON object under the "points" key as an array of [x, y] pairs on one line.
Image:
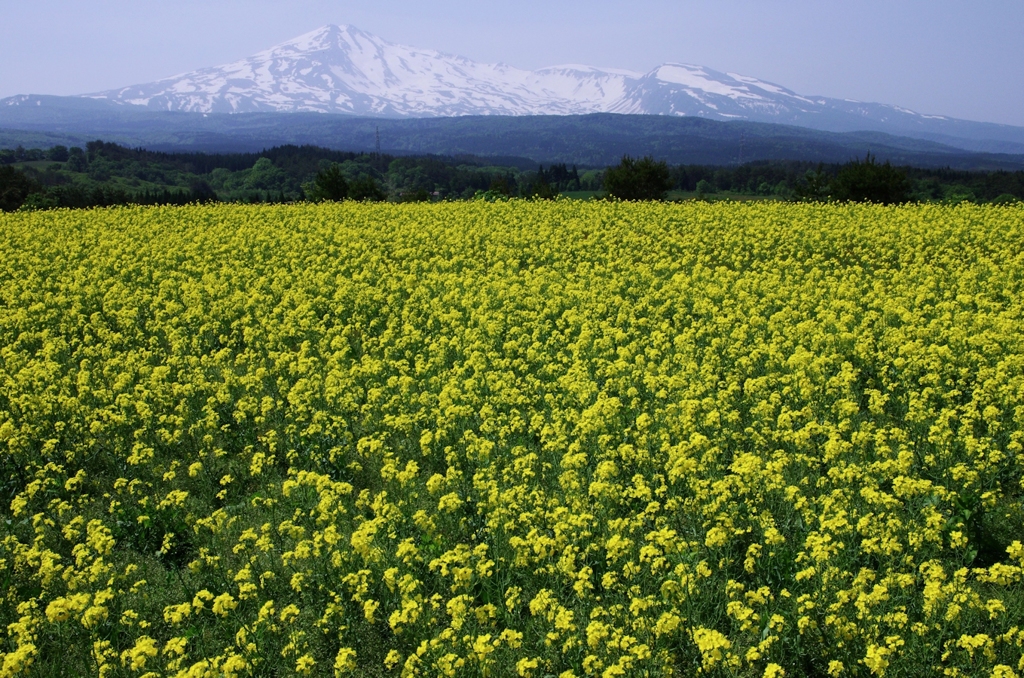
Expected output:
{"points": [[949, 57]]}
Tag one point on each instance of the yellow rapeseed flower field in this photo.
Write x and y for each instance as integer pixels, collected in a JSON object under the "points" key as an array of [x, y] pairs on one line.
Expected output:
{"points": [[516, 439]]}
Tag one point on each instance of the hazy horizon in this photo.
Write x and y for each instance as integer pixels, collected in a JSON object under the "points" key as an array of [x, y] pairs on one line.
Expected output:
{"points": [[938, 58]]}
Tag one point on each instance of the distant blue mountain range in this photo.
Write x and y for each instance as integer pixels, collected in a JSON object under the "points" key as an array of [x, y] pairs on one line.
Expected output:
{"points": [[332, 80]]}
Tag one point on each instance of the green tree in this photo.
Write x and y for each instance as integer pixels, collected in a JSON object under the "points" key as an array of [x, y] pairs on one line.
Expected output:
{"points": [[638, 179], [15, 187], [869, 181], [77, 161], [500, 185], [366, 188], [264, 175], [201, 191], [57, 154], [329, 185], [704, 188], [815, 186], [541, 186]]}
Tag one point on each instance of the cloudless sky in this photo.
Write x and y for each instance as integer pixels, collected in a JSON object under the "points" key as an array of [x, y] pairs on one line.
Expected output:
{"points": [[946, 57]]}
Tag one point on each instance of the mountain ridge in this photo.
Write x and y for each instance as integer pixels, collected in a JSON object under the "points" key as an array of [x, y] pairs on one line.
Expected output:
{"points": [[345, 70], [594, 140], [342, 70]]}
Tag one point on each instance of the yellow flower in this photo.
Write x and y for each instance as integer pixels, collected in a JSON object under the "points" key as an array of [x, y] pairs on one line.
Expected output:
{"points": [[345, 661], [175, 646], [877, 659], [61, 609], [304, 664], [526, 666], [223, 604], [145, 648], [449, 502], [296, 581], [714, 647], [716, 537], [94, 615], [200, 599], [175, 614], [267, 612], [234, 665], [482, 646], [19, 660], [513, 639]]}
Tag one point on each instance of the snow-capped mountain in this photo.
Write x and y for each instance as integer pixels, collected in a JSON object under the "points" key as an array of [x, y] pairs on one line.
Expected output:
{"points": [[341, 69]]}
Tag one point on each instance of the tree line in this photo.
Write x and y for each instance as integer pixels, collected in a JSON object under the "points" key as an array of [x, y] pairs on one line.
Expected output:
{"points": [[104, 174]]}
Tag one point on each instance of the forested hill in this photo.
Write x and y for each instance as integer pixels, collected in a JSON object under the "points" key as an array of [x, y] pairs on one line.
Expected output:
{"points": [[596, 140]]}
